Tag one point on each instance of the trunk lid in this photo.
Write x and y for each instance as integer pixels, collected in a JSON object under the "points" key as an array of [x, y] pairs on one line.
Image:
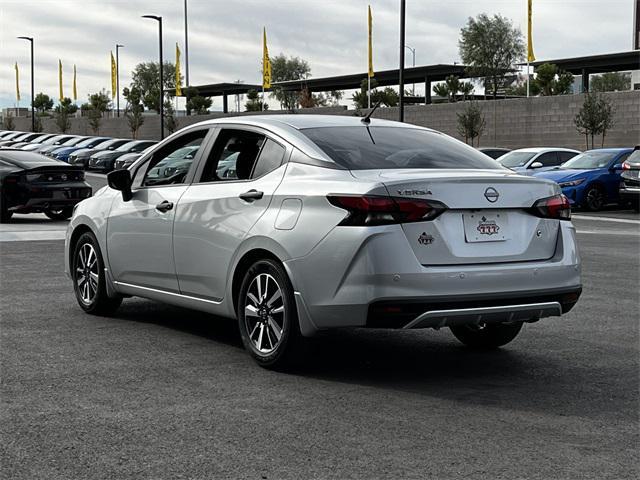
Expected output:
{"points": [[486, 220]]}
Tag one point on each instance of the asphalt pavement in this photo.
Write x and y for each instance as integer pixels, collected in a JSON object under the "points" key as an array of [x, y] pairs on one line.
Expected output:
{"points": [[158, 392]]}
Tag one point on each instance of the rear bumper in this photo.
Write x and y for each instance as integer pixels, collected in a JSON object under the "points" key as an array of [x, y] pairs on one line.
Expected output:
{"points": [[629, 194], [35, 199], [344, 280]]}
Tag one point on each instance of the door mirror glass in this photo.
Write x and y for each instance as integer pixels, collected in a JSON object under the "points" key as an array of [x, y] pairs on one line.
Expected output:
{"points": [[536, 165], [121, 180]]}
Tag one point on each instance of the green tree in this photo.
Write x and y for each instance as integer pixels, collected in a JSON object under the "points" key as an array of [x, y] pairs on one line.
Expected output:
{"points": [[520, 88], [491, 46], [450, 88], [282, 70], [42, 102], [388, 97], [64, 110], [199, 105], [254, 102], [7, 121], [170, 121], [471, 122], [611, 82], [134, 110], [146, 79], [596, 117], [98, 104], [550, 80]]}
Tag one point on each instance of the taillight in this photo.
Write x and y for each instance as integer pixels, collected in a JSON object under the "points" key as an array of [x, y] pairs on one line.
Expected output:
{"points": [[626, 166], [370, 210], [557, 207]]}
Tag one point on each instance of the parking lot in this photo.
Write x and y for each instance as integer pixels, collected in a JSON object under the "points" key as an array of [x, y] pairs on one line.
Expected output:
{"points": [[162, 392]]}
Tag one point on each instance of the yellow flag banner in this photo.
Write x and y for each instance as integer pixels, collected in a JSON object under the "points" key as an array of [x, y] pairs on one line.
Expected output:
{"points": [[114, 88], [530, 56], [178, 85], [60, 79], [266, 63], [17, 83], [370, 43], [75, 89]]}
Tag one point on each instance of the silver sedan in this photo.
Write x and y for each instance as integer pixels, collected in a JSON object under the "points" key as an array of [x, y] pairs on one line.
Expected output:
{"points": [[294, 224]]}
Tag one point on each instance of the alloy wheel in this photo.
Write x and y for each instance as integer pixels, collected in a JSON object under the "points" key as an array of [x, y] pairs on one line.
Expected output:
{"points": [[264, 313], [594, 199], [87, 273]]}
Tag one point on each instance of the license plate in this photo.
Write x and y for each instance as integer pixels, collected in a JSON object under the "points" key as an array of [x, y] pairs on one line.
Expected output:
{"points": [[486, 226]]}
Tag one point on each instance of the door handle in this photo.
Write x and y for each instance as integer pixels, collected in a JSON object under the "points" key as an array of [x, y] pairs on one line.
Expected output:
{"points": [[164, 206], [251, 195]]}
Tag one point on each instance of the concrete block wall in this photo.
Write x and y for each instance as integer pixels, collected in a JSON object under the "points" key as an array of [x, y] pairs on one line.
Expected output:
{"points": [[511, 123]]}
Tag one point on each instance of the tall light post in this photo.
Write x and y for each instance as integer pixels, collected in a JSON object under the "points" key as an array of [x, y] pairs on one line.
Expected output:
{"points": [[413, 51], [33, 116], [403, 5], [186, 50], [118, 47], [159, 20]]}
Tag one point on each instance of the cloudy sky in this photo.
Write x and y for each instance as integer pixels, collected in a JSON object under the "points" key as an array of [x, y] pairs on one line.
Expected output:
{"points": [[225, 35]]}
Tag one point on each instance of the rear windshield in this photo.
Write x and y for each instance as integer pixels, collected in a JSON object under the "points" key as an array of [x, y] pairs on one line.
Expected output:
{"points": [[362, 148]]}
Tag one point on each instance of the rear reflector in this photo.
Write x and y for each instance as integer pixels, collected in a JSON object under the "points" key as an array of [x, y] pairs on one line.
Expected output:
{"points": [[370, 210], [557, 207]]}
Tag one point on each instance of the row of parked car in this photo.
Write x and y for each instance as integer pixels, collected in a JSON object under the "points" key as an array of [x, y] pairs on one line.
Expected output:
{"points": [[591, 180], [92, 153]]}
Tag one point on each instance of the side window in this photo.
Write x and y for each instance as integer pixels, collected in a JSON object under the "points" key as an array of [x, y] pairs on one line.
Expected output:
{"points": [[233, 156], [548, 159], [566, 156], [270, 158], [170, 164], [622, 158]]}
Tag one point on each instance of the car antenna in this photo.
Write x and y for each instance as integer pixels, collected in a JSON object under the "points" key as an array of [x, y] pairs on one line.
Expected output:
{"points": [[367, 118]]}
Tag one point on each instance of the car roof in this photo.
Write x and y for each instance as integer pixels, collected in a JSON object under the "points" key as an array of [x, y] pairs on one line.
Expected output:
{"points": [[545, 149], [25, 159], [612, 150]]}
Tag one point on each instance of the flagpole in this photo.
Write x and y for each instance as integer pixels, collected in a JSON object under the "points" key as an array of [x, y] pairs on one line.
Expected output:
{"points": [[527, 75], [369, 92]]}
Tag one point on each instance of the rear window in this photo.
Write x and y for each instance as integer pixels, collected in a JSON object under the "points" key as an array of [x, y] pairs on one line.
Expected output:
{"points": [[362, 148]]}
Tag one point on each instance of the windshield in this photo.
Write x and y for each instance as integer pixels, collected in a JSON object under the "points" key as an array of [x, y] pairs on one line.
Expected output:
{"points": [[516, 159], [127, 146], [71, 141], [588, 160], [361, 148], [90, 142]]}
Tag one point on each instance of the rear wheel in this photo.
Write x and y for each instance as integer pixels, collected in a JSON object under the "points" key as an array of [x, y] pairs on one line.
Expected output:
{"points": [[59, 213], [89, 282], [487, 336], [267, 316], [594, 198]]}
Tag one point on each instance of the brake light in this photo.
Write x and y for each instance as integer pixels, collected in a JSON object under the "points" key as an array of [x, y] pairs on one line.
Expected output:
{"points": [[557, 207], [370, 210], [626, 166]]}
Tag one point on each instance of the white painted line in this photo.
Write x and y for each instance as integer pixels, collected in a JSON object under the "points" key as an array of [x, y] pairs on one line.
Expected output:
{"points": [[32, 236], [597, 232], [606, 219]]}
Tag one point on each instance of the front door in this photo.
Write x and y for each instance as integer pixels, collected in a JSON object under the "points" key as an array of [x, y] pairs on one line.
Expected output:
{"points": [[219, 209], [139, 231]]}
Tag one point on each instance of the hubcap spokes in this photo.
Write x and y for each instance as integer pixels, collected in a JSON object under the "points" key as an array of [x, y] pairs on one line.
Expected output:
{"points": [[87, 273], [264, 313]]}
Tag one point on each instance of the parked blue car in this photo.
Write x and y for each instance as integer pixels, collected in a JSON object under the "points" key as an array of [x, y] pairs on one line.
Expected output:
{"points": [[63, 153], [591, 180]]}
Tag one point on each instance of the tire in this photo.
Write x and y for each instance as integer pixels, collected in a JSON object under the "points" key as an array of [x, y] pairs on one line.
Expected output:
{"points": [[266, 305], [89, 282], [487, 336], [59, 213], [5, 214], [594, 199]]}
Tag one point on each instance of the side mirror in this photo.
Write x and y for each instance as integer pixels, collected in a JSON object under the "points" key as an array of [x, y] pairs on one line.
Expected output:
{"points": [[616, 167], [121, 180], [536, 165]]}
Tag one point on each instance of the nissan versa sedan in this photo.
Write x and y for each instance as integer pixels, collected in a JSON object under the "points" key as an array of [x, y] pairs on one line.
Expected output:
{"points": [[527, 161], [328, 222]]}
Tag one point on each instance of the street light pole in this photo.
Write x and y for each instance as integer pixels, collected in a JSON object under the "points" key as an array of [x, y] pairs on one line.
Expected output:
{"points": [[159, 20], [186, 45], [401, 69], [118, 46], [413, 51], [33, 116]]}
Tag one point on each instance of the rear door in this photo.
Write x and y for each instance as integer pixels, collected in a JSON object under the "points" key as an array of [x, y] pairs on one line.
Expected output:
{"points": [[231, 192]]}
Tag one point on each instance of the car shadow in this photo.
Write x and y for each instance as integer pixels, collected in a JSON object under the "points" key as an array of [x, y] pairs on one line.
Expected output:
{"points": [[425, 363]]}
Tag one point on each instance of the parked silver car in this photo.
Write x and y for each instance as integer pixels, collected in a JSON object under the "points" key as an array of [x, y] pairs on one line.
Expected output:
{"points": [[527, 161], [327, 222]]}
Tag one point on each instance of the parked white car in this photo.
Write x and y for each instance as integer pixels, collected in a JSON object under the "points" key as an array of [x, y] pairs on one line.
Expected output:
{"points": [[328, 222], [527, 161]]}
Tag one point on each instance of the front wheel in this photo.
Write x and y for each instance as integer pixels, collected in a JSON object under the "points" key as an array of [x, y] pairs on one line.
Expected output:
{"points": [[594, 199], [89, 282], [486, 336], [64, 213], [267, 316]]}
